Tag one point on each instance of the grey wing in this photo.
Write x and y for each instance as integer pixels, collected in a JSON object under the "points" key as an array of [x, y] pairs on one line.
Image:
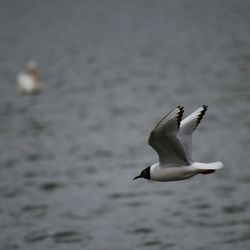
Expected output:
{"points": [[188, 126], [163, 139]]}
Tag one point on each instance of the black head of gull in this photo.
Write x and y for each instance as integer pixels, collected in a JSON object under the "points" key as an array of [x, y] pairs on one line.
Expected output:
{"points": [[145, 173]]}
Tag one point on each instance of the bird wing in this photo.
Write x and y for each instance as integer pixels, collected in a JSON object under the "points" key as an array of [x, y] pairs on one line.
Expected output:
{"points": [[188, 126], [163, 139]]}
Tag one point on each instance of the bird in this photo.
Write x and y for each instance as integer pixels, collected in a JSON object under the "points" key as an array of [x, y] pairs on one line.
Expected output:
{"points": [[29, 82], [172, 141]]}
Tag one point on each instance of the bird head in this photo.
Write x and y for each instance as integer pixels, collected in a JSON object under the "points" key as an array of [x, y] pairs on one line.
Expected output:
{"points": [[145, 173], [32, 69]]}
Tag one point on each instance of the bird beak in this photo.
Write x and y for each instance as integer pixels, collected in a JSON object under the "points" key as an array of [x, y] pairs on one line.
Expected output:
{"points": [[139, 176]]}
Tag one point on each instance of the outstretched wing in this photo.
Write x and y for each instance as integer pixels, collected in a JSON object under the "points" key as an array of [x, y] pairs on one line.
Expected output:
{"points": [[188, 126], [163, 139]]}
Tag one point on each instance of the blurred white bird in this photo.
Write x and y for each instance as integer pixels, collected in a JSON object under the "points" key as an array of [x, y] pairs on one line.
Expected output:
{"points": [[29, 82], [172, 140]]}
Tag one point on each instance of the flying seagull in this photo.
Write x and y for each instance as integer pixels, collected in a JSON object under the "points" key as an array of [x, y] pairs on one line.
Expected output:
{"points": [[172, 141]]}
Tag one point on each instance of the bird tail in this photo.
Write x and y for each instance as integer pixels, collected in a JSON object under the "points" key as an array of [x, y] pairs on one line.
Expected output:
{"points": [[207, 168]]}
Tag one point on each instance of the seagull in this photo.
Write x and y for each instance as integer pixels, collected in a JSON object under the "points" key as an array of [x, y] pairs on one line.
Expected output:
{"points": [[172, 141], [28, 82]]}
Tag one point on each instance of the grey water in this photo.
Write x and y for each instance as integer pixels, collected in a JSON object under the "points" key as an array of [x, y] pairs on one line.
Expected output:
{"points": [[110, 70]]}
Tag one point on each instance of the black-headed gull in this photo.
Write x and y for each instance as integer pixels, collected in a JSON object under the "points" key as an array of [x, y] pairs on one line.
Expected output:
{"points": [[172, 140]]}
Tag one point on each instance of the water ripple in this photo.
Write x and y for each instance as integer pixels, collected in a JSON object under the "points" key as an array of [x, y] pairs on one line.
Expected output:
{"points": [[66, 236]]}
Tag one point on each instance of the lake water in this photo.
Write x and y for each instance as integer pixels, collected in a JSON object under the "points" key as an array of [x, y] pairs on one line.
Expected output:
{"points": [[110, 71]]}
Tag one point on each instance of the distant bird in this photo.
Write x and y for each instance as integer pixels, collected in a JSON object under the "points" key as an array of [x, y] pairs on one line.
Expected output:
{"points": [[172, 140], [29, 82]]}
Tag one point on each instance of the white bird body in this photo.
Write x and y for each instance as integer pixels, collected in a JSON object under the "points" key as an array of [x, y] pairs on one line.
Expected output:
{"points": [[28, 83], [178, 173], [172, 140], [158, 173]]}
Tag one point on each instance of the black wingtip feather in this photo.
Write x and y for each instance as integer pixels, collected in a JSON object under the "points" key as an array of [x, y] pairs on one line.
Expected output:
{"points": [[201, 114], [180, 114]]}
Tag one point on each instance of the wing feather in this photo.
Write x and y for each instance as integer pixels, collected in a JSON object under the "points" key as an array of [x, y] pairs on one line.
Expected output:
{"points": [[188, 126], [163, 139]]}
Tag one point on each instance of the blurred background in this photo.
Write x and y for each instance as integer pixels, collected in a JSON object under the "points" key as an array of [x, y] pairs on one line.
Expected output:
{"points": [[109, 71]]}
